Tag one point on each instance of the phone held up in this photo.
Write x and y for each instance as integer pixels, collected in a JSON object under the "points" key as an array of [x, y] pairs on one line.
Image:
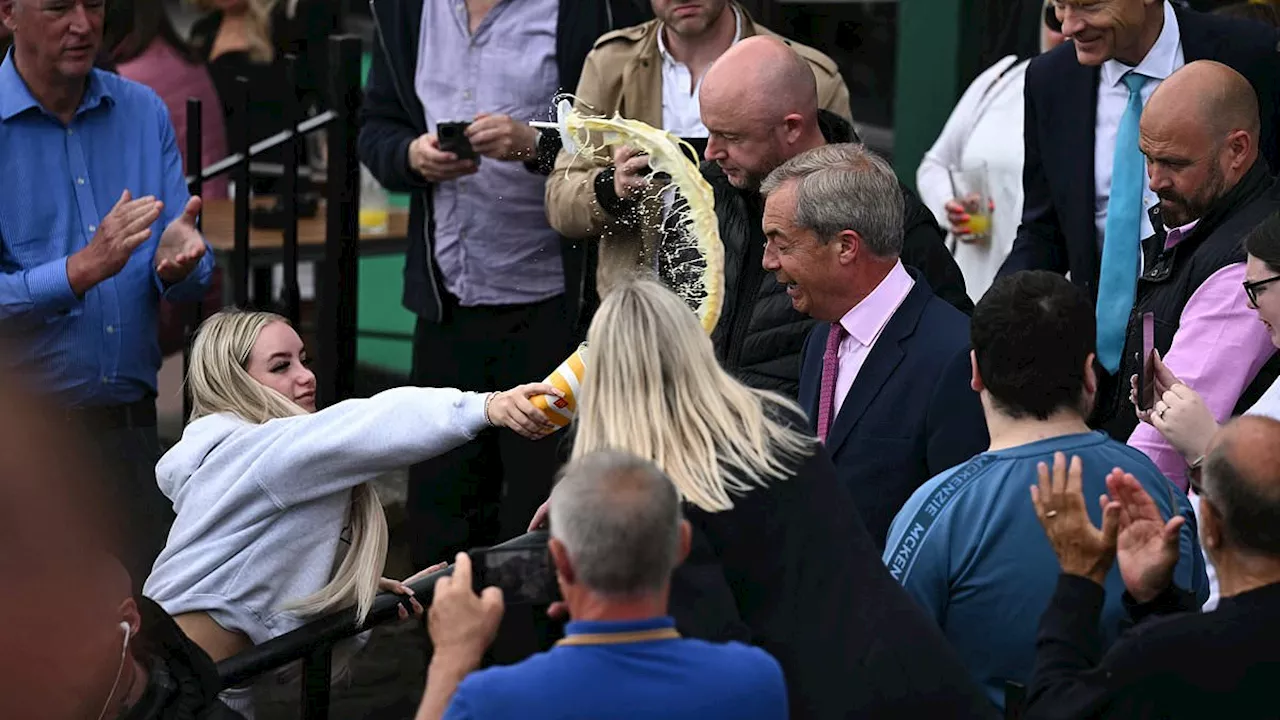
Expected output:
{"points": [[522, 568], [452, 137], [1147, 377]]}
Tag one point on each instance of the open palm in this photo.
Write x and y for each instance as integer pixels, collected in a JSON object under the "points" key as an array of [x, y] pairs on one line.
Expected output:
{"points": [[181, 246], [1147, 545]]}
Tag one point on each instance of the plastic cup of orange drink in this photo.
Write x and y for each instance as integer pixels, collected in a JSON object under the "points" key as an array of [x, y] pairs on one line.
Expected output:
{"points": [[568, 378]]}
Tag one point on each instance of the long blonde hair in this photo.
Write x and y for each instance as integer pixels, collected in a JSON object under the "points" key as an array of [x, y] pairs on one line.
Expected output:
{"points": [[653, 387], [257, 26], [219, 383]]}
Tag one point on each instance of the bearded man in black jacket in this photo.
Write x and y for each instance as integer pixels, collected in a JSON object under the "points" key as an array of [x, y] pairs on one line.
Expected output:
{"points": [[759, 335]]}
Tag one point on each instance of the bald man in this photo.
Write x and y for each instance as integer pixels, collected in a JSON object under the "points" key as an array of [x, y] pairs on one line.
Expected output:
{"points": [[651, 72], [1199, 133], [1177, 662], [759, 102]]}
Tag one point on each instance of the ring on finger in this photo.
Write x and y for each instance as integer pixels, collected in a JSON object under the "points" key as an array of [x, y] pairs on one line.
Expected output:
{"points": [[1051, 513]]}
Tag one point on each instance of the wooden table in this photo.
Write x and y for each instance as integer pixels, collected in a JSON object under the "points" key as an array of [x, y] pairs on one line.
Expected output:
{"points": [[266, 246]]}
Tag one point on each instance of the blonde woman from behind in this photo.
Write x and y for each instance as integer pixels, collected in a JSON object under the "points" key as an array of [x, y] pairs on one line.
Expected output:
{"points": [[780, 557], [276, 521]]}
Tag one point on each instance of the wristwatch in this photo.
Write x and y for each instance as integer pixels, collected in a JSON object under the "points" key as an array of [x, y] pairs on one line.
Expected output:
{"points": [[1193, 474]]}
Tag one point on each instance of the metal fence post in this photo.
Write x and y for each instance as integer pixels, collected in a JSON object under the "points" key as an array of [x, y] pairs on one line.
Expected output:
{"points": [[336, 332], [289, 196], [316, 672], [240, 254], [195, 163]]}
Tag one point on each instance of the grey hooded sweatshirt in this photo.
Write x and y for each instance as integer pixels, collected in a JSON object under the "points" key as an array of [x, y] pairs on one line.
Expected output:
{"points": [[261, 507]]}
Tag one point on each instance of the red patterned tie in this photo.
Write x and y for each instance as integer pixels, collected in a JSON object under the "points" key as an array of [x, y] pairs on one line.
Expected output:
{"points": [[830, 365]]}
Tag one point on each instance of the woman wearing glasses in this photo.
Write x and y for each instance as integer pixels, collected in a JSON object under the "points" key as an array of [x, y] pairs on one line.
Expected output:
{"points": [[978, 133], [1181, 414]]}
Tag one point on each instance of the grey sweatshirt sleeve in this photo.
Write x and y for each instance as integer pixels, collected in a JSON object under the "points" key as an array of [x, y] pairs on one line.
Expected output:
{"points": [[297, 459]]}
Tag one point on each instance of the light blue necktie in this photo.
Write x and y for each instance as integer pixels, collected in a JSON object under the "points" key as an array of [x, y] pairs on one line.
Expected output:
{"points": [[1118, 279]]}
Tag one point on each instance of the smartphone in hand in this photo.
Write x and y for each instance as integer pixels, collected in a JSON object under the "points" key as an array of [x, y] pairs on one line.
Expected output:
{"points": [[525, 573], [1147, 377], [452, 137]]}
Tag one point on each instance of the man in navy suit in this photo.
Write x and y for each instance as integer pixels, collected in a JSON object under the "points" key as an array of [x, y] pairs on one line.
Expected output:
{"points": [[885, 376], [1086, 191]]}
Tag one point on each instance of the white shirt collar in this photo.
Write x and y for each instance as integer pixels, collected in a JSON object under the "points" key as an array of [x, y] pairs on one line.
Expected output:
{"points": [[737, 35], [1160, 60]]}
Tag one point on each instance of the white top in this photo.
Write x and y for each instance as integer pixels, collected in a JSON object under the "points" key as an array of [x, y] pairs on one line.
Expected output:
{"points": [[1161, 61], [1268, 406], [681, 113], [261, 508], [978, 131]]}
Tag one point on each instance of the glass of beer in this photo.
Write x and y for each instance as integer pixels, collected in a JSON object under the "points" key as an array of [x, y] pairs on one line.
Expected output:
{"points": [[969, 187]]}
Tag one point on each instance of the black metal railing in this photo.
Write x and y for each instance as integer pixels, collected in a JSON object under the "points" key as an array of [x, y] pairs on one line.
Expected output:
{"points": [[335, 350], [313, 643]]}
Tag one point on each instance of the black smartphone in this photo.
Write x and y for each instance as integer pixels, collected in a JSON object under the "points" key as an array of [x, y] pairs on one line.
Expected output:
{"points": [[453, 138], [1147, 378], [524, 573]]}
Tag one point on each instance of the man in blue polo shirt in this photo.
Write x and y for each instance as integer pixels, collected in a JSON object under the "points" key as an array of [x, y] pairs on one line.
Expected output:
{"points": [[967, 545], [95, 227], [616, 535]]}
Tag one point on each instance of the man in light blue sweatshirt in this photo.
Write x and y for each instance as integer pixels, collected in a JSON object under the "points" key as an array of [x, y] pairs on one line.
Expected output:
{"points": [[967, 545]]}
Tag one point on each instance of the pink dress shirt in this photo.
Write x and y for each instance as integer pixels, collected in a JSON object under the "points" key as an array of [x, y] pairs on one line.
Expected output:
{"points": [[1218, 349], [162, 69], [864, 323]]}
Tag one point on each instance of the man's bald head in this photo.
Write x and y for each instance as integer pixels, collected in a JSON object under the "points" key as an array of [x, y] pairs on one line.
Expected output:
{"points": [[764, 76], [1208, 94], [759, 102], [1199, 132], [1242, 481]]}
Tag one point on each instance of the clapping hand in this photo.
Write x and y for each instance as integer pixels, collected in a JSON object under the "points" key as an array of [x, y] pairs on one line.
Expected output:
{"points": [[513, 409], [1082, 548], [1147, 546], [181, 246], [126, 226]]}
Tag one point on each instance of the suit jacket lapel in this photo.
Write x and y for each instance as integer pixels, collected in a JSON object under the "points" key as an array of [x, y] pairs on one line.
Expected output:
{"points": [[883, 359], [1078, 135], [642, 83], [811, 376]]}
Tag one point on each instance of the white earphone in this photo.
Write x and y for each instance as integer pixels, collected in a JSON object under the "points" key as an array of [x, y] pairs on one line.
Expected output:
{"points": [[124, 649]]}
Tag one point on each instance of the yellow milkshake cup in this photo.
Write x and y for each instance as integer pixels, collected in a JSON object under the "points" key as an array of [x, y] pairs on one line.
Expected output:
{"points": [[567, 377]]}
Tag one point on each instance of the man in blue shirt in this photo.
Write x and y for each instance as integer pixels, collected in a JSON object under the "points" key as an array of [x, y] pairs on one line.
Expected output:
{"points": [[616, 535], [96, 226], [967, 545]]}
